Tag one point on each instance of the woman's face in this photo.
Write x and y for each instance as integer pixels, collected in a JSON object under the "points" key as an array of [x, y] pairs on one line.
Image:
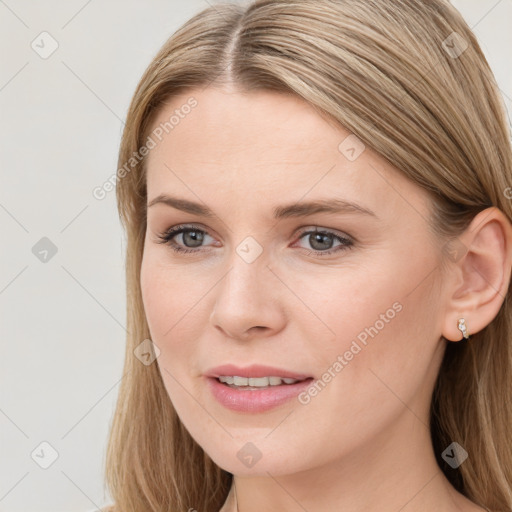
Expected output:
{"points": [[357, 308]]}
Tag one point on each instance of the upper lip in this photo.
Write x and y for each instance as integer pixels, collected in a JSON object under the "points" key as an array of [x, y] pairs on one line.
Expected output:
{"points": [[255, 370]]}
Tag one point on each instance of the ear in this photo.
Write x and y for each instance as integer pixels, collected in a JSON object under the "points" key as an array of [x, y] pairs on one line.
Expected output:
{"points": [[480, 275]]}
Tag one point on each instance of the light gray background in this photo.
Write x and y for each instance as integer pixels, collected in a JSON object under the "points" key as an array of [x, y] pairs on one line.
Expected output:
{"points": [[62, 321]]}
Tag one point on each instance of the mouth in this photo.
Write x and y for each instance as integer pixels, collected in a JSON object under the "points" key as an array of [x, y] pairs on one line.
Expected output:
{"points": [[255, 395]]}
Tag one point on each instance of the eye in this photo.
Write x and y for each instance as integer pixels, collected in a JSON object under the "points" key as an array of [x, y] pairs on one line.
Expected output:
{"points": [[191, 237], [322, 241]]}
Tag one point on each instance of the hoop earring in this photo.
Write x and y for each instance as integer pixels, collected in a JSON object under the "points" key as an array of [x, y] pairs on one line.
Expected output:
{"points": [[463, 328]]}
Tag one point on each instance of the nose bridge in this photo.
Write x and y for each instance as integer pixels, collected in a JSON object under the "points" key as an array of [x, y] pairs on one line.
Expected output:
{"points": [[244, 285], [246, 296], [248, 266]]}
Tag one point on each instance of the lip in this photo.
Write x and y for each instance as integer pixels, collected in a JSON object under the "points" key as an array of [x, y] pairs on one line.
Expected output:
{"points": [[254, 400], [255, 370]]}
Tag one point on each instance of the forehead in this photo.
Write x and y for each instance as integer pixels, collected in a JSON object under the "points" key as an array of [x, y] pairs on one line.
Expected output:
{"points": [[266, 147]]}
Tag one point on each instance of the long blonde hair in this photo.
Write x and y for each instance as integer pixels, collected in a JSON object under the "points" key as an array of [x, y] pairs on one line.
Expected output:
{"points": [[393, 73]]}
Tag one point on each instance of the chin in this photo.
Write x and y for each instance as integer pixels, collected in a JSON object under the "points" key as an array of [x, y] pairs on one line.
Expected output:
{"points": [[247, 459]]}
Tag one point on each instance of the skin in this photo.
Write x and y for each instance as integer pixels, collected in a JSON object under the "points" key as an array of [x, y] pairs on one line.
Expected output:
{"points": [[363, 442]]}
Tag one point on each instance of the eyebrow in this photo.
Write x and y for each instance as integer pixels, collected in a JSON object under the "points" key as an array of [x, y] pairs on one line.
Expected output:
{"points": [[300, 209]]}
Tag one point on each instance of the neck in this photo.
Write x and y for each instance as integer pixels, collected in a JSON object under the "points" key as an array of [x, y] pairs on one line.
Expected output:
{"points": [[393, 472]]}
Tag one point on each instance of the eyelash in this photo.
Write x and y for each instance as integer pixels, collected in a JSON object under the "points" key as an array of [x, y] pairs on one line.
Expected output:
{"points": [[167, 236]]}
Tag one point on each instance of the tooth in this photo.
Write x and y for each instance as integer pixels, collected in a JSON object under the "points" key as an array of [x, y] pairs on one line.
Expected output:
{"points": [[258, 381]]}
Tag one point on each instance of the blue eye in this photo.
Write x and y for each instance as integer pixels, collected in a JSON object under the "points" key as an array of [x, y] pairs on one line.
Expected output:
{"points": [[321, 240]]}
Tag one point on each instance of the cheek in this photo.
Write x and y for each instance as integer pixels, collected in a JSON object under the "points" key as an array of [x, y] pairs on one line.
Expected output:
{"points": [[381, 356], [168, 304], [166, 293], [173, 300], [157, 296]]}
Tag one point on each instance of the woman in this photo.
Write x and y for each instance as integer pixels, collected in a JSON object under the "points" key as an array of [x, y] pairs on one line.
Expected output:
{"points": [[316, 196]]}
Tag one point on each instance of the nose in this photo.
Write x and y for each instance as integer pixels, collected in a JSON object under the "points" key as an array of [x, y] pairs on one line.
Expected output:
{"points": [[248, 301]]}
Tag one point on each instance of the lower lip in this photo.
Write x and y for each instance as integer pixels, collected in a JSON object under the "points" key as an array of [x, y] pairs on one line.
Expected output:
{"points": [[255, 400]]}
